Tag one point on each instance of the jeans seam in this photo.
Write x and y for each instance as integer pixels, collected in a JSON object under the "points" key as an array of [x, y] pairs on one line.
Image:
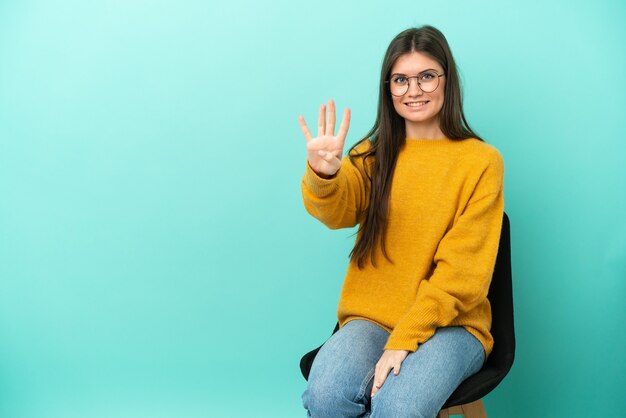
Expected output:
{"points": [[478, 354], [368, 377]]}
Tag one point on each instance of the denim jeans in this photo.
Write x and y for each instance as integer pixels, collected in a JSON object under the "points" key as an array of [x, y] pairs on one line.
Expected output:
{"points": [[342, 374]]}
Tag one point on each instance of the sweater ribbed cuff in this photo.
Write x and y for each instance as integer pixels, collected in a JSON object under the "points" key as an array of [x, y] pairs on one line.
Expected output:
{"points": [[396, 342], [409, 335], [319, 186]]}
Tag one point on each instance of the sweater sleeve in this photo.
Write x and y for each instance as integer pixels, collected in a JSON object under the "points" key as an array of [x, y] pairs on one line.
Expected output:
{"points": [[337, 202], [463, 265]]}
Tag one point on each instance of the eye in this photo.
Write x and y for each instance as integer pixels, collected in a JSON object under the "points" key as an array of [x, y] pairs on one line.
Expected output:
{"points": [[428, 76], [399, 79]]}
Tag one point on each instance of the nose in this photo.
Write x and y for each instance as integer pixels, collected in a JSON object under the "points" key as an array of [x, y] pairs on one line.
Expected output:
{"points": [[414, 88]]}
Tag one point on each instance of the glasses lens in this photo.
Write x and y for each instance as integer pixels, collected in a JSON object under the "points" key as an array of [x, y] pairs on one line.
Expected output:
{"points": [[398, 85], [429, 81]]}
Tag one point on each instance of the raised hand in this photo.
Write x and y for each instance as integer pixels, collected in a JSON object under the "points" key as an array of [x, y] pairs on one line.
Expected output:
{"points": [[324, 152]]}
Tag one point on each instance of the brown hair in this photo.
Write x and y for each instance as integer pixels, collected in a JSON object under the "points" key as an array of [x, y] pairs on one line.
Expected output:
{"points": [[388, 133]]}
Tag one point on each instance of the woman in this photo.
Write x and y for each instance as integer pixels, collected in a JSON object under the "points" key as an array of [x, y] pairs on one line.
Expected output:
{"points": [[427, 194]]}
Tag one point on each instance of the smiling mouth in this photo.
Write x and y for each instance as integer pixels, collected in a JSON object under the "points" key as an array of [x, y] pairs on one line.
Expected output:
{"points": [[417, 104]]}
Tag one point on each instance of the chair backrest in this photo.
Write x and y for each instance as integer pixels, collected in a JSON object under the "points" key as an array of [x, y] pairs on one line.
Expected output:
{"points": [[501, 359]]}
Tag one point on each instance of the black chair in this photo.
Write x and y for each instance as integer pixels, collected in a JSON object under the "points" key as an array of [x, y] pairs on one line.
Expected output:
{"points": [[467, 398]]}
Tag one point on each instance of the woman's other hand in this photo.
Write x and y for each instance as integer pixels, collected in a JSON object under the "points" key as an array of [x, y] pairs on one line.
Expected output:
{"points": [[325, 151], [391, 359]]}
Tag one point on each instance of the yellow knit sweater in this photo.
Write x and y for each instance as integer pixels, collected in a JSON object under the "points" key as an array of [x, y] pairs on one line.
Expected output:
{"points": [[444, 221]]}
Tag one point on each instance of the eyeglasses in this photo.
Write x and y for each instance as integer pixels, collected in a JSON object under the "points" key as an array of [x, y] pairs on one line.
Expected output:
{"points": [[428, 81]]}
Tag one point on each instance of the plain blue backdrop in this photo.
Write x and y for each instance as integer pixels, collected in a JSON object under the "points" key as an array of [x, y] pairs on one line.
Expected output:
{"points": [[155, 256]]}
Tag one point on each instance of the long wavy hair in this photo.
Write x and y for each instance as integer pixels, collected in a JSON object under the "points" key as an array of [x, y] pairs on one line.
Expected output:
{"points": [[388, 134]]}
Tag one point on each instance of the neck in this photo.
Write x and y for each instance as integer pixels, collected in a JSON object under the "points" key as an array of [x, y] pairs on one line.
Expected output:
{"points": [[428, 130]]}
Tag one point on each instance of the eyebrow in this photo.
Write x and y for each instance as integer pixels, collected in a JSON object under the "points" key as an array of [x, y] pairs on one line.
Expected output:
{"points": [[421, 72]]}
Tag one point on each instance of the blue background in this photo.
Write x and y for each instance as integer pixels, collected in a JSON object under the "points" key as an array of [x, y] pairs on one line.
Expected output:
{"points": [[155, 256]]}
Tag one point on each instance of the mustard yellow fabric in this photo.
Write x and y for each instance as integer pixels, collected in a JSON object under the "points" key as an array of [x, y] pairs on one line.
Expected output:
{"points": [[445, 216]]}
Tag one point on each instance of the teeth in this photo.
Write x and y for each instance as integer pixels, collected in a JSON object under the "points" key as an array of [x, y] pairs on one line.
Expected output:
{"points": [[415, 104]]}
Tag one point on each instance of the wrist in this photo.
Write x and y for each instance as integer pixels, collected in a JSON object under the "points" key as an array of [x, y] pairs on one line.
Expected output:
{"points": [[322, 175]]}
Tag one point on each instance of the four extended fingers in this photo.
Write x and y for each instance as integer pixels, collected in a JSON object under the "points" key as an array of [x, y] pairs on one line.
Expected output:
{"points": [[324, 127]]}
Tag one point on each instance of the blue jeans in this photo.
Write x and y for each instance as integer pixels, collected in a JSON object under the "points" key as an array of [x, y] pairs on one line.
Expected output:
{"points": [[341, 378]]}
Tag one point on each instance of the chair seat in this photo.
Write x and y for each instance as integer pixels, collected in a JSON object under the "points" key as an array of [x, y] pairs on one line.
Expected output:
{"points": [[475, 387]]}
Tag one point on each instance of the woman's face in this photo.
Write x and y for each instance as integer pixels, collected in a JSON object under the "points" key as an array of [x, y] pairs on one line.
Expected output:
{"points": [[419, 109]]}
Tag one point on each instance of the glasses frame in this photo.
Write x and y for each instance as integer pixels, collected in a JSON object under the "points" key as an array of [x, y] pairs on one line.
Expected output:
{"points": [[417, 78]]}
